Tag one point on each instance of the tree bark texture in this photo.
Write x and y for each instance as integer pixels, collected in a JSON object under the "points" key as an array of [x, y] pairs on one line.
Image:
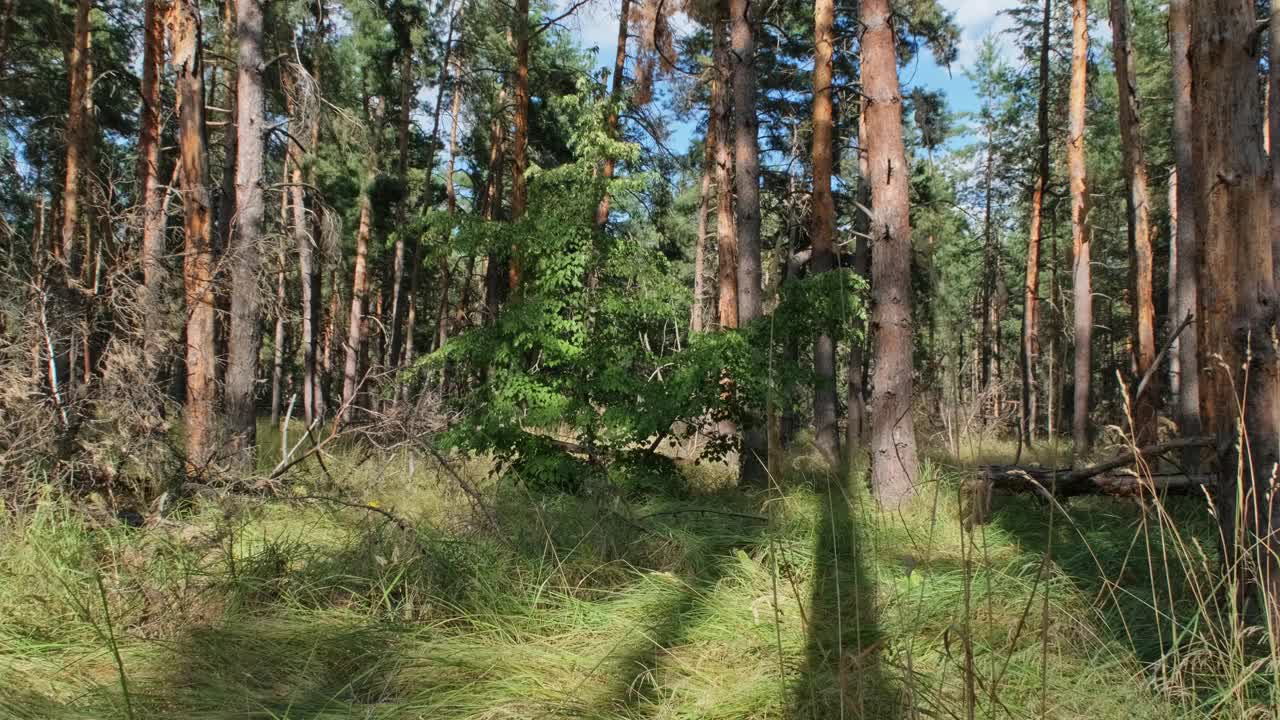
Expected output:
{"points": [[894, 465], [822, 233], [1029, 354], [1240, 373], [150, 189], [1082, 287], [726, 233], [245, 336], [77, 135], [197, 262], [1141, 255], [1187, 412]]}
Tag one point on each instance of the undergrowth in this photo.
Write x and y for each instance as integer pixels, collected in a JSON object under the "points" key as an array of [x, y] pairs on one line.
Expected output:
{"points": [[802, 602]]}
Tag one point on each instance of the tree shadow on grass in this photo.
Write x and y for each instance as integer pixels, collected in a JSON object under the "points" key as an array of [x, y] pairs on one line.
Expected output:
{"points": [[637, 661], [1115, 552], [302, 666], [843, 674]]}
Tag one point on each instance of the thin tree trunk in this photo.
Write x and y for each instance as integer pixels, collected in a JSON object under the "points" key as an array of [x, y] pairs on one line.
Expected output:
{"points": [[150, 189], [398, 284], [1241, 373], [77, 135], [315, 306], [697, 312], [856, 374], [355, 341], [1175, 344], [990, 253], [615, 97], [451, 204], [1141, 255], [188, 62], [245, 336], [725, 231], [493, 276], [278, 338], [442, 320], [1030, 350], [520, 140], [826, 435], [894, 466], [1081, 266], [308, 281]]}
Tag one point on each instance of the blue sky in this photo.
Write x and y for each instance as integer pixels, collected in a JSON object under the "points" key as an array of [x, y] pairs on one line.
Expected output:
{"points": [[597, 25]]}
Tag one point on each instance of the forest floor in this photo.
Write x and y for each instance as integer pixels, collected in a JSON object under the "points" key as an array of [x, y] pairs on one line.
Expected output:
{"points": [[702, 602]]}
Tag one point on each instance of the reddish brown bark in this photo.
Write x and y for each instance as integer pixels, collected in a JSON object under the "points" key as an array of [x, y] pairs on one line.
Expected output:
{"points": [[1240, 383], [1141, 255], [615, 96], [197, 265], [359, 291], [746, 156], [77, 135], [356, 321], [822, 231], [150, 189], [697, 312], [1082, 287], [726, 233], [894, 465], [1029, 353], [520, 138]]}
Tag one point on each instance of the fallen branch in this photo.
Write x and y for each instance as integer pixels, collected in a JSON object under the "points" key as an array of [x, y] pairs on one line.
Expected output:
{"points": [[1104, 478]]}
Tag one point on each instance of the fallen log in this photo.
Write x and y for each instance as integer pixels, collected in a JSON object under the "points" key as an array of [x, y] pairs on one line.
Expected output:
{"points": [[1010, 480], [1111, 477]]}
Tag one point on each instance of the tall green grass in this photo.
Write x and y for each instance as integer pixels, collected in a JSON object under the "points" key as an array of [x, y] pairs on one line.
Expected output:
{"points": [[802, 602]]}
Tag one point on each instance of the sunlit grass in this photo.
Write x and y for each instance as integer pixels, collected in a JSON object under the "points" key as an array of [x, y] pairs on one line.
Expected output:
{"points": [[804, 603]]}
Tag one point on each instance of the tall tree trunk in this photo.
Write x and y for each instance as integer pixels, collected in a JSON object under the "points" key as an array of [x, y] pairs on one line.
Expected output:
{"points": [[894, 466], [1240, 371], [1237, 290], [494, 280], [826, 435], [197, 263], [1273, 134], [520, 140], [278, 337], [355, 344], [615, 97], [311, 262], [356, 322], [150, 189], [746, 156], [1029, 353], [442, 82], [1175, 342], [77, 135], [451, 205], [697, 312], [990, 255], [245, 335], [1082, 289], [856, 374], [726, 233], [1141, 255], [398, 287], [308, 279]]}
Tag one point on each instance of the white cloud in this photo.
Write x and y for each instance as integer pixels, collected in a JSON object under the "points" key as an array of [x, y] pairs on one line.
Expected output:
{"points": [[977, 19]]}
